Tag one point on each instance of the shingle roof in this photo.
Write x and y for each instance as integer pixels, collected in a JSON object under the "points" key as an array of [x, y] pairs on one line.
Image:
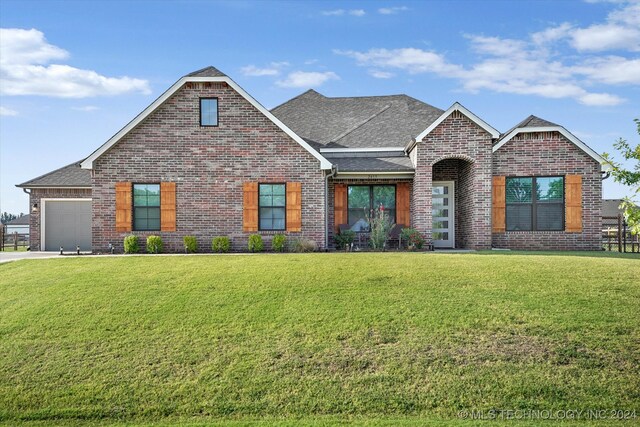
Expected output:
{"points": [[207, 72], [23, 220], [356, 122], [610, 207], [530, 122], [371, 162], [68, 176]]}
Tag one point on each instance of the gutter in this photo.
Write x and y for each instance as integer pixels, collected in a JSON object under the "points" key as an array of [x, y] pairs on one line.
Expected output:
{"points": [[334, 171]]}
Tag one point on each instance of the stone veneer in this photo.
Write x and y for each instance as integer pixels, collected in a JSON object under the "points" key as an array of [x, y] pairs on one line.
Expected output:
{"points": [[209, 165], [544, 154]]}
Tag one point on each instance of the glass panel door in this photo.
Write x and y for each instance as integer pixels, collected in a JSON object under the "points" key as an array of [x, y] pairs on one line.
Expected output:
{"points": [[442, 227]]}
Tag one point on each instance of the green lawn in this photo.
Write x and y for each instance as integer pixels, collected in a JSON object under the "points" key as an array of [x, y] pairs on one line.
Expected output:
{"points": [[380, 339]]}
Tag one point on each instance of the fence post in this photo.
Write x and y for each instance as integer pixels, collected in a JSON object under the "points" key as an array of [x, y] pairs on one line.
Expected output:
{"points": [[619, 232], [15, 241], [1, 237], [624, 235]]}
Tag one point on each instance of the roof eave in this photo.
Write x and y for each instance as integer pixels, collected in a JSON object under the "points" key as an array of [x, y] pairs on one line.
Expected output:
{"points": [[571, 137], [89, 161], [459, 107]]}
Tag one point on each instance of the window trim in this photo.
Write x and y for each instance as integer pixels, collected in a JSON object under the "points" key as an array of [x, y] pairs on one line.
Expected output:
{"points": [[133, 206], [395, 192], [205, 98], [283, 207], [534, 203]]}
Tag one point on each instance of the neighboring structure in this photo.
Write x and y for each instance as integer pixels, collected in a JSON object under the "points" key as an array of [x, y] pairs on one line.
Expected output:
{"points": [[611, 207], [19, 225], [206, 159]]}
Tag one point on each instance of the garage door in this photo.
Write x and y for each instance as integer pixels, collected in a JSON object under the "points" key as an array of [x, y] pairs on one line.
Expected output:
{"points": [[67, 224]]}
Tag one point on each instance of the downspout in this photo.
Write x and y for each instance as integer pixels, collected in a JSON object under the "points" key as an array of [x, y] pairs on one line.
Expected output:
{"points": [[605, 174], [334, 171]]}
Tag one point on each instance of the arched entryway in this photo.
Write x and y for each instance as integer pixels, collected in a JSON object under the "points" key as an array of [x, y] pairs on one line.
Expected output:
{"points": [[452, 202]]}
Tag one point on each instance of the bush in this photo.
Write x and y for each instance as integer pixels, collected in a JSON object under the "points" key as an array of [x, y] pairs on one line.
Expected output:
{"points": [[303, 245], [190, 244], [380, 229], [255, 243], [221, 244], [344, 239], [131, 244], [154, 244], [413, 238], [279, 243]]}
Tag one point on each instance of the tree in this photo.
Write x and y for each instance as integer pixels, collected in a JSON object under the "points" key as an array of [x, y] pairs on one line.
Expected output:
{"points": [[629, 177], [6, 217]]}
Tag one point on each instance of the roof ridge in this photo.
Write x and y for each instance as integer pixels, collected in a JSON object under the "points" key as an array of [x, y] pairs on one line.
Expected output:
{"points": [[365, 121], [296, 97], [50, 173]]}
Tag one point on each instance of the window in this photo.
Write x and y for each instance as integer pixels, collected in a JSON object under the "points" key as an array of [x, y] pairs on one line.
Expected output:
{"points": [[272, 206], [535, 203], [146, 207], [208, 111], [363, 199]]}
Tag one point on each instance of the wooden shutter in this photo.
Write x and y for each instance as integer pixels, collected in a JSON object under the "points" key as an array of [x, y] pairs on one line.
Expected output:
{"points": [[403, 204], [123, 206], [499, 204], [250, 206], [340, 205], [168, 206], [294, 206], [573, 203]]}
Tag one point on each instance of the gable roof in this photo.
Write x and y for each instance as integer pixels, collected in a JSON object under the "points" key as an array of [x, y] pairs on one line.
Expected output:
{"points": [[70, 176], [208, 74], [21, 220], [356, 122], [460, 108], [535, 124], [371, 162]]}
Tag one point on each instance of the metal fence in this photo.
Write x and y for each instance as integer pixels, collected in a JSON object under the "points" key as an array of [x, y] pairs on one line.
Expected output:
{"points": [[617, 237], [13, 241]]}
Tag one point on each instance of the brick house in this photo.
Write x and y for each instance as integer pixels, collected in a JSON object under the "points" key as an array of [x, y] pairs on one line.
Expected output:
{"points": [[206, 159]]}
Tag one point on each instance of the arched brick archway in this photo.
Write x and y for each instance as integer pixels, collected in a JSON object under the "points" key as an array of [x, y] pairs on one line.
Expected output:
{"points": [[460, 171]]}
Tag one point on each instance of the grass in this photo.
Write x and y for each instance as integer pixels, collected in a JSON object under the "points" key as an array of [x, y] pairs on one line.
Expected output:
{"points": [[316, 339]]}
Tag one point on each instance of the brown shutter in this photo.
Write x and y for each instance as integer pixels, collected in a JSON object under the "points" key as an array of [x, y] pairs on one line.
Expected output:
{"points": [[250, 206], [168, 206], [294, 206], [573, 203], [339, 205], [123, 206], [403, 204], [499, 204]]}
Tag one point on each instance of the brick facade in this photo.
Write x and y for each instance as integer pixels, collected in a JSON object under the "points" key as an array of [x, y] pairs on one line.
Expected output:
{"points": [[457, 138], [209, 165], [36, 196], [550, 153]]}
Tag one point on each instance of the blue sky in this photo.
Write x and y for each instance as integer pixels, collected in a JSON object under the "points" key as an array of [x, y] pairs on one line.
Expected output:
{"points": [[73, 73]]}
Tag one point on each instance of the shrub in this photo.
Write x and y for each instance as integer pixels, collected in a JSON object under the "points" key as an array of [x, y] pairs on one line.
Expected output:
{"points": [[380, 228], [154, 244], [413, 238], [131, 244], [279, 243], [344, 239], [303, 245], [221, 244], [190, 244], [255, 243]]}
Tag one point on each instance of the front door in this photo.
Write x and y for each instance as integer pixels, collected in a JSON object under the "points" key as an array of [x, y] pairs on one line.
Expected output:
{"points": [[442, 227]]}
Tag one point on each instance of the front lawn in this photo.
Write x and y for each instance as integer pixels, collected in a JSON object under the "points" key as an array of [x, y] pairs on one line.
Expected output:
{"points": [[317, 338]]}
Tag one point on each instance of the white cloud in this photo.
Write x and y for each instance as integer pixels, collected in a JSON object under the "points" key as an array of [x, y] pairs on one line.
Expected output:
{"points": [[621, 31], [543, 64], [303, 79], [4, 111], [273, 69], [392, 10], [381, 74], [86, 108], [26, 68], [341, 12]]}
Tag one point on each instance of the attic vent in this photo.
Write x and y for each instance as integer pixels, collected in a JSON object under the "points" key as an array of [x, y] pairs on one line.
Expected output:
{"points": [[457, 115]]}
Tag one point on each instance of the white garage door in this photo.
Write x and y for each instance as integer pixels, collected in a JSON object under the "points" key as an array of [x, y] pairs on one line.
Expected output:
{"points": [[68, 224]]}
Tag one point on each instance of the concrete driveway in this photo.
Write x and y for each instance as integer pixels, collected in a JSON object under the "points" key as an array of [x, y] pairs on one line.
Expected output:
{"points": [[14, 256]]}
